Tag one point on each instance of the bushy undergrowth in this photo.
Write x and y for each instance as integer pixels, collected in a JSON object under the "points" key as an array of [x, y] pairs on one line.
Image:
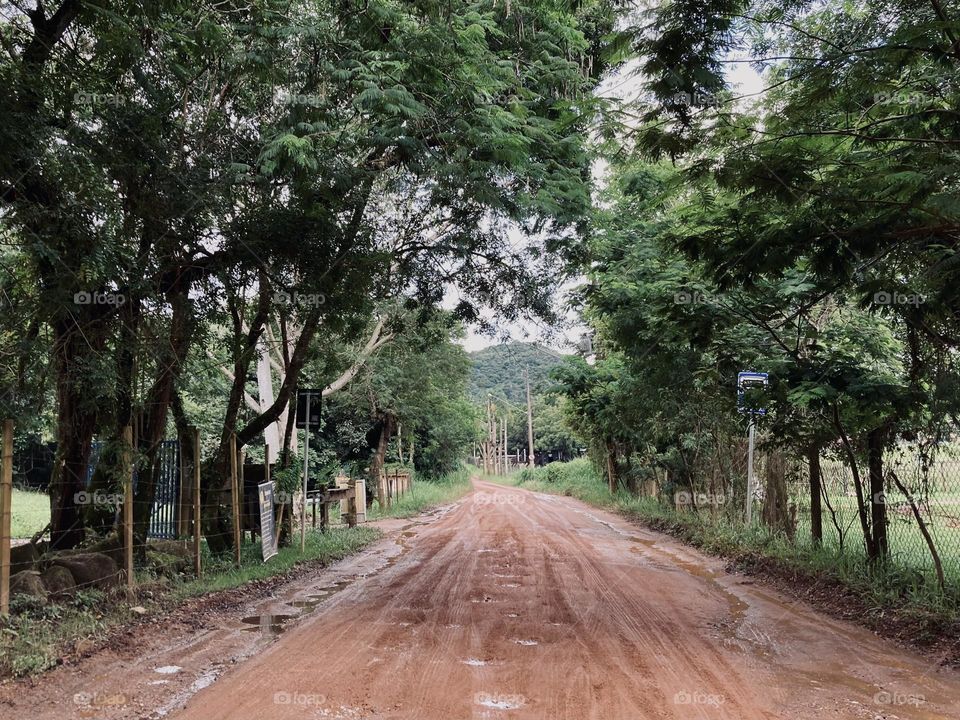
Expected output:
{"points": [[882, 586], [426, 494]]}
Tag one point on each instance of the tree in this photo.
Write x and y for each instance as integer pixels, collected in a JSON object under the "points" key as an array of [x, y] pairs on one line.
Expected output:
{"points": [[188, 161]]}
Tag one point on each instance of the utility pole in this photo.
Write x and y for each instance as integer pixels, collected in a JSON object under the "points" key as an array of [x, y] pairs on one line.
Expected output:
{"points": [[506, 458], [750, 478], [526, 377], [485, 445], [496, 443], [488, 466]]}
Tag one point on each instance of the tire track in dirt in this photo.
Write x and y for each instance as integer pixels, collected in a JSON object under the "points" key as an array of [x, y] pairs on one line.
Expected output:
{"points": [[518, 605]]}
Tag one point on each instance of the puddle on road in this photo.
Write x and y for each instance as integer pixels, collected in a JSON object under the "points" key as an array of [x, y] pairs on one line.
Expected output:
{"points": [[268, 623], [274, 623]]}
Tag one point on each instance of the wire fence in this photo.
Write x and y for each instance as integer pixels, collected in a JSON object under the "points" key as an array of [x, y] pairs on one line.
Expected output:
{"points": [[921, 502], [919, 506], [184, 529]]}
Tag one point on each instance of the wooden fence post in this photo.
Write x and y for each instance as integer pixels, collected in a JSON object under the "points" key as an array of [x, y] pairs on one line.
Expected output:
{"points": [[235, 498], [6, 498], [127, 469], [196, 503], [352, 504]]}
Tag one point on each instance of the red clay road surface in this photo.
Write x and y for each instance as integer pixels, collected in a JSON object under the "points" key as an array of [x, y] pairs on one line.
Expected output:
{"points": [[520, 605]]}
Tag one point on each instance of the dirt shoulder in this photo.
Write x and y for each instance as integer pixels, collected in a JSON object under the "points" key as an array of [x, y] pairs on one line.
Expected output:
{"points": [[177, 647]]}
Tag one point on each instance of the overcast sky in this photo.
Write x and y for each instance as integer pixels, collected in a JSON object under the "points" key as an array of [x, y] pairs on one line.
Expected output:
{"points": [[625, 85]]}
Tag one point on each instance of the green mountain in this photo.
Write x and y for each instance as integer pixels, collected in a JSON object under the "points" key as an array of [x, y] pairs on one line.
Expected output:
{"points": [[498, 370]]}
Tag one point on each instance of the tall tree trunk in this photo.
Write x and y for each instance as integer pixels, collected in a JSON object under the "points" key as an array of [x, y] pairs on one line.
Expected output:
{"points": [[816, 484], [878, 503], [216, 484], [76, 423], [776, 513], [377, 474], [612, 467], [857, 483], [159, 397]]}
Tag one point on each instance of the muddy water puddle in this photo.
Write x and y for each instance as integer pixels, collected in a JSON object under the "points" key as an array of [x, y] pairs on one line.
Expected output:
{"points": [[272, 623], [269, 623]]}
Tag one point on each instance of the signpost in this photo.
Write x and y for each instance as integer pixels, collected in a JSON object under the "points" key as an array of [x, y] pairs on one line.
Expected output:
{"points": [[267, 527], [308, 415], [747, 381]]}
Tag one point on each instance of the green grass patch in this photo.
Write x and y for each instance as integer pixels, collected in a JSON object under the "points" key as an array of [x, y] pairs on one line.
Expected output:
{"points": [[322, 548], [30, 513], [425, 495], [35, 635]]}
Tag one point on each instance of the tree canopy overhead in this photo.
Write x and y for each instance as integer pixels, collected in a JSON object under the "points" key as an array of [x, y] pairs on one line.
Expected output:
{"points": [[183, 180]]}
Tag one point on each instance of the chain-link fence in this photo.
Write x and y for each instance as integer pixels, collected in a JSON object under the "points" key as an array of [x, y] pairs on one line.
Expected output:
{"points": [[921, 503], [918, 507]]}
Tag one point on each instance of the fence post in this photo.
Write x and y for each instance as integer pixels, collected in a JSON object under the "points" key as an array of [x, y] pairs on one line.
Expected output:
{"points": [[235, 499], [6, 498], [127, 466], [242, 490], [352, 504], [196, 503], [181, 496]]}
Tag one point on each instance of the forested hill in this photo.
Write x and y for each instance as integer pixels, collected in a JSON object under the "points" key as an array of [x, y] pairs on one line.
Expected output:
{"points": [[498, 369]]}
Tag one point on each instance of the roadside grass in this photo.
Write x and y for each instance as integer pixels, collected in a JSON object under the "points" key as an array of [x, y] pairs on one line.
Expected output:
{"points": [[885, 587], [37, 635], [425, 495], [320, 549], [30, 512]]}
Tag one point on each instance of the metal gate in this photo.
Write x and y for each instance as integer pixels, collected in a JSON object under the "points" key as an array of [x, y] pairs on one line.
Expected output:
{"points": [[163, 515]]}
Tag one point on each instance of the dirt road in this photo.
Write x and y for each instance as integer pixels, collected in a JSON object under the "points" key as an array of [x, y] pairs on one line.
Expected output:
{"points": [[520, 605]]}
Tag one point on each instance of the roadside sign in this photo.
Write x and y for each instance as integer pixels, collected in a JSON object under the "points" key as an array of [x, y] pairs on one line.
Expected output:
{"points": [[308, 408], [267, 525], [750, 392]]}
